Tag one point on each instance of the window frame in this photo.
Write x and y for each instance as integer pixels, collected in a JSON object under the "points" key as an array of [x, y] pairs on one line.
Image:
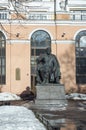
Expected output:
{"points": [[80, 59], [39, 45], [3, 14], [2, 59], [78, 15]]}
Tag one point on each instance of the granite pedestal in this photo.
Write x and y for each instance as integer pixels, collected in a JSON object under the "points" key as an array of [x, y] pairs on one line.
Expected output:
{"points": [[50, 96]]}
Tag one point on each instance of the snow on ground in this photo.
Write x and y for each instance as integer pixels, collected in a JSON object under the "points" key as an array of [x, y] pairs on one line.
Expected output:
{"points": [[18, 118], [5, 96], [76, 96]]}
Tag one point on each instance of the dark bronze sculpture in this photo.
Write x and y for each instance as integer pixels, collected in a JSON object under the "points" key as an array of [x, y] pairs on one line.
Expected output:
{"points": [[48, 68]]}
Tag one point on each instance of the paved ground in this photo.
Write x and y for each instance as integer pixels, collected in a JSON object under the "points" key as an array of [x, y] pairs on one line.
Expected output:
{"points": [[75, 109], [75, 113]]}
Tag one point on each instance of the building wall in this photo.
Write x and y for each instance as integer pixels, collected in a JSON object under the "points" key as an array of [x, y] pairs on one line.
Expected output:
{"points": [[18, 54]]}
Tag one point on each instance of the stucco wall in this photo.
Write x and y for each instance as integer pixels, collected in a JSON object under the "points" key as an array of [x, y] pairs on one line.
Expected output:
{"points": [[18, 54]]}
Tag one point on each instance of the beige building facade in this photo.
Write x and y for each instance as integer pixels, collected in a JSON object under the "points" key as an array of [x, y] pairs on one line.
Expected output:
{"points": [[25, 32]]}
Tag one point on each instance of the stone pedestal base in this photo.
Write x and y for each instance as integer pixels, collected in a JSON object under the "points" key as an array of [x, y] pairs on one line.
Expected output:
{"points": [[50, 96]]}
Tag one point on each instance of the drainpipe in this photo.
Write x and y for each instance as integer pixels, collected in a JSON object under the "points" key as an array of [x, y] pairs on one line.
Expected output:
{"points": [[10, 55], [55, 10], [55, 24]]}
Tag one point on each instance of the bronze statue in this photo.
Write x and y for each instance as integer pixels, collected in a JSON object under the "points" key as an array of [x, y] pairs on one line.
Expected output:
{"points": [[48, 68]]}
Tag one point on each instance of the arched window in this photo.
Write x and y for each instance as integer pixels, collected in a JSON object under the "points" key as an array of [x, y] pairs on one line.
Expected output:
{"points": [[2, 59], [40, 40], [81, 57]]}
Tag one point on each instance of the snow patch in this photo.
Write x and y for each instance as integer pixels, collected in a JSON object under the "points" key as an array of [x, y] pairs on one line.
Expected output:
{"points": [[76, 96], [5, 96], [18, 118]]}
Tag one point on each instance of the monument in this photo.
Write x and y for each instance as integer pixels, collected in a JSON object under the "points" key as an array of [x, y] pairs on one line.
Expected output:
{"points": [[50, 94], [48, 68]]}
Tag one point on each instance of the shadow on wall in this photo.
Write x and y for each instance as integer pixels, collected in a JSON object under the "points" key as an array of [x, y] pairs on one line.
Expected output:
{"points": [[67, 62]]}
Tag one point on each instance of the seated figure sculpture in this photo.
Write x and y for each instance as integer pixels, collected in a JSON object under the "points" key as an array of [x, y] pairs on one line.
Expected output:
{"points": [[48, 68]]}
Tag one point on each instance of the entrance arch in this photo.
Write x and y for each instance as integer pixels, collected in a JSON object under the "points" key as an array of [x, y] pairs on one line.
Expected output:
{"points": [[40, 40]]}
